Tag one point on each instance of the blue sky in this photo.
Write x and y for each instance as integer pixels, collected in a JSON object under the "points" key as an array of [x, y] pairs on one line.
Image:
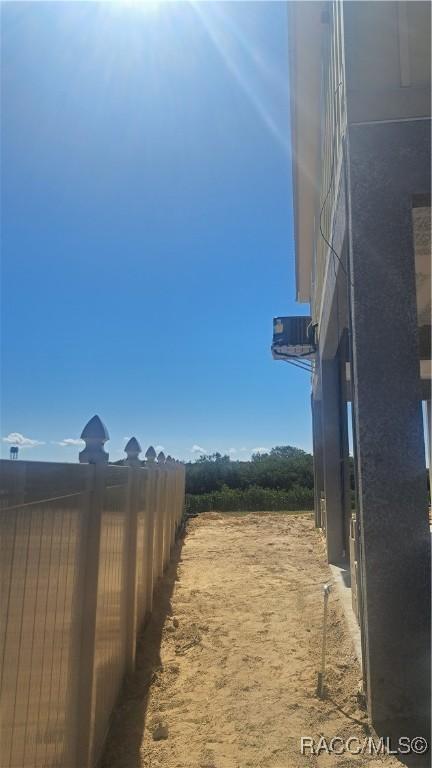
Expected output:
{"points": [[147, 227]]}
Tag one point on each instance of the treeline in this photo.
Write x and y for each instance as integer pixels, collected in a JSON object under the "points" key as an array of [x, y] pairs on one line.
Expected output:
{"points": [[279, 480], [282, 468]]}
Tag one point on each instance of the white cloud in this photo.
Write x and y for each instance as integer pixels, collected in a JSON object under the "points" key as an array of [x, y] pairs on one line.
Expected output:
{"points": [[126, 438], [260, 450], [232, 450], [244, 450], [68, 441], [16, 438], [197, 449], [159, 448]]}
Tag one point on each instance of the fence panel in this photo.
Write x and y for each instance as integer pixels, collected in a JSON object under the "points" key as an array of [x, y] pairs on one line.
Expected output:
{"points": [[78, 574], [142, 544], [151, 535], [159, 523], [112, 606], [41, 608], [26, 481]]}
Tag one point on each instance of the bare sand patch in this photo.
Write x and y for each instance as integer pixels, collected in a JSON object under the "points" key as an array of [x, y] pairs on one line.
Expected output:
{"points": [[227, 668]]}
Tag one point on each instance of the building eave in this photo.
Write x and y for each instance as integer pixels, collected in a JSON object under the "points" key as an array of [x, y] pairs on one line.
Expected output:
{"points": [[304, 39]]}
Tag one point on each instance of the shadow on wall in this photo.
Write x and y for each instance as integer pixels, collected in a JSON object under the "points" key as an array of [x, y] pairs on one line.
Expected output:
{"points": [[126, 734]]}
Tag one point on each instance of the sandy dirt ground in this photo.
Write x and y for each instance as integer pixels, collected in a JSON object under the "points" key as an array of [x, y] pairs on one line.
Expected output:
{"points": [[227, 667]]}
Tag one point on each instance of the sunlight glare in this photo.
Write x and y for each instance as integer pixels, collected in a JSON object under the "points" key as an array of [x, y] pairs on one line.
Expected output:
{"points": [[146, 6], [241, 56]]}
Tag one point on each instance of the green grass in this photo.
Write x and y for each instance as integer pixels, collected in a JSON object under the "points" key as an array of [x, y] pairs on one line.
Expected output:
{"points": [[252, 499]]}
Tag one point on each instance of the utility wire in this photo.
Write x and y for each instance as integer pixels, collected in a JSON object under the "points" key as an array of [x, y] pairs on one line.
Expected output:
{"points": [[297, 364], [332, 172]]}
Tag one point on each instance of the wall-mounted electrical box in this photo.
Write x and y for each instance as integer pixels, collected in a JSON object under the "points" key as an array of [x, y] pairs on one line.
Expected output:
{"points": [[293, 337]]}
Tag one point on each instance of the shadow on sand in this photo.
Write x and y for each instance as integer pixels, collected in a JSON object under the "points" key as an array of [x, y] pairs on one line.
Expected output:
{"points": [[124, 740]]}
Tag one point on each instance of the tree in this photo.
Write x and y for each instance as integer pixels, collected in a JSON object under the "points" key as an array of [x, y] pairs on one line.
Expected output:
{"points": [[283, 468]]}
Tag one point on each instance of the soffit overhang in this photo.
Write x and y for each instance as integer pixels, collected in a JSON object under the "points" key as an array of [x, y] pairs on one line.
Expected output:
{"points": [[304, 36]]}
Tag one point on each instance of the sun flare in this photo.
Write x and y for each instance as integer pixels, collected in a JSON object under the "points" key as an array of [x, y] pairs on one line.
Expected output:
{"points": [[146, 6]]}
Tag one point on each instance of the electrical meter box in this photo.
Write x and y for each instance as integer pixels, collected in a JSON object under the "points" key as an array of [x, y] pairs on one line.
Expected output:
{"points": [[293, 337]]}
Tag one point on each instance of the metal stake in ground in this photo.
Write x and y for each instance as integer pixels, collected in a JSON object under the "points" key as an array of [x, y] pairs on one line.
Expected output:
{"points": [[321, 674]]}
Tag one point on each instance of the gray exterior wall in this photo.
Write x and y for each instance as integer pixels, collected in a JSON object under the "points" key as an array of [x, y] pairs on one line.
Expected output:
{"points": [[386, 164]]}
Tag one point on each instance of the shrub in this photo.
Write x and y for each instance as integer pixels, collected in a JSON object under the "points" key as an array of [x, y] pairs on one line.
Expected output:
{"points": [[252, 499]]}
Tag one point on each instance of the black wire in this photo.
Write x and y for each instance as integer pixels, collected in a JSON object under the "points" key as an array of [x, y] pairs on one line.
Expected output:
{"points": [[297, 363], [297, 358], [328, 243]]}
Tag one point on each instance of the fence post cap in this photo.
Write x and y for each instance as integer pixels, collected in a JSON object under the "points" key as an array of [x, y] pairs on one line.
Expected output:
{"points": [[161, 458], [132, 450], [95, 429], [150, 454], [95, 434]]}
